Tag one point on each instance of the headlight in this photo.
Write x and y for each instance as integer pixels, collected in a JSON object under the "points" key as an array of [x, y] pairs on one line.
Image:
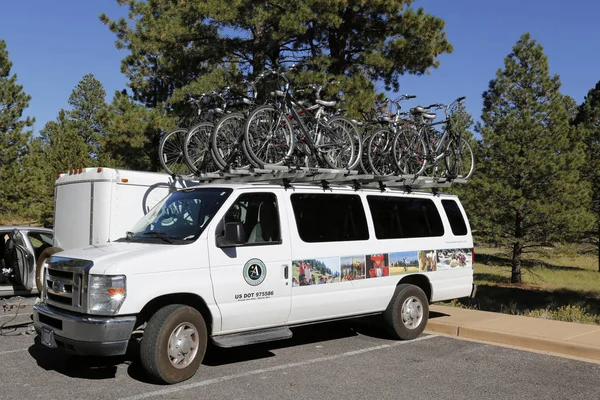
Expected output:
{"points": [[106, 294]]}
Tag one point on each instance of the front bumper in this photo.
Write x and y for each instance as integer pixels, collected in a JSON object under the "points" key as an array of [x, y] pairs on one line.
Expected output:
{"points": [[83, 334]]}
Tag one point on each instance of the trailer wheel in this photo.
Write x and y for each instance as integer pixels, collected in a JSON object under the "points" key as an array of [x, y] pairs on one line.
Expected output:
{"points": [[407, 313], [47, 253], [174, 344]]}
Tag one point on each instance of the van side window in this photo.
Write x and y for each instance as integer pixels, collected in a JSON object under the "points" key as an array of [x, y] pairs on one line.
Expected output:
{"points": [[259, 215], [457, 222], [404, 217], [329, 217]]}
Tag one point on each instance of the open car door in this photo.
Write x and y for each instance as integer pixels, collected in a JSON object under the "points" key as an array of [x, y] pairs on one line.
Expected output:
{"points": [[22, 260], [23, 273]]}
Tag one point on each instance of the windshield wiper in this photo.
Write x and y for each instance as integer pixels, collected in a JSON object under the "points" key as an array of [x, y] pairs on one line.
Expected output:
{"points": [[160, 235]]}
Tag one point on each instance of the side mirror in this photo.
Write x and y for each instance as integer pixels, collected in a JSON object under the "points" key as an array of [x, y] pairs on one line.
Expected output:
{"points": [[234, 235]]}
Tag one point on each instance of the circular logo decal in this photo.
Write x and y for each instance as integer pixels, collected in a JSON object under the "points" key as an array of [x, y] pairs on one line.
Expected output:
{"points": [[255, 272]]}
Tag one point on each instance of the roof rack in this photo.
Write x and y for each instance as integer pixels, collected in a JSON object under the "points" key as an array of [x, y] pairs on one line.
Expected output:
{"points": [[287, 176]]}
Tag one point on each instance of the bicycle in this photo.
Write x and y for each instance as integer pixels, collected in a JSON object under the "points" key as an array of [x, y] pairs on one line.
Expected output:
{"points": [[380, 153], [198, 153], [171, 148], [415, 152], [271, 132]]}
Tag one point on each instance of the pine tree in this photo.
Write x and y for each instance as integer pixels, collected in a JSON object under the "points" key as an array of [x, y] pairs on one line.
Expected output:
{"points": [[87, 103], [174, 46], [530, 185], [14, 137], [588, 117], [63, 149]]}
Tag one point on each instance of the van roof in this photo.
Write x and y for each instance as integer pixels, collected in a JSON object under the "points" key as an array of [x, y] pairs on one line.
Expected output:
{"points": [[307, 186]]}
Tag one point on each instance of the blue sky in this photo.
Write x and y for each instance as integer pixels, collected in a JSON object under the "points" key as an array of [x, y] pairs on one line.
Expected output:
{"points": [[53, 44]]}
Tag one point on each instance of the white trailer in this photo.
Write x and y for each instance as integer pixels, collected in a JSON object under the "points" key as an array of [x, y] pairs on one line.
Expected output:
{"points": [[94, 206]]}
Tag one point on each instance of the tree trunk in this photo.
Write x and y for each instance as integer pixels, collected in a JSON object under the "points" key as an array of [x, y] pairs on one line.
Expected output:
{"points": [[516, 263], [517, 248], [599, 243]]}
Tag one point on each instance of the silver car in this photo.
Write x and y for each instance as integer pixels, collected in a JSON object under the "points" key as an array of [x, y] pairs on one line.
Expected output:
{"points": [[20, 248]]}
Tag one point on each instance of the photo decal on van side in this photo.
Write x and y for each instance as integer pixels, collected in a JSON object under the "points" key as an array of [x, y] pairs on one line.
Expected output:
{"points": [[315, 271], [353, 268], [308, 272]]}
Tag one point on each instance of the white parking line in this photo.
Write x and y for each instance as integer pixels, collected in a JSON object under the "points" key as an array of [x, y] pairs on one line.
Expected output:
{"points": [[13, 351], [13, 315], [275, 368]]}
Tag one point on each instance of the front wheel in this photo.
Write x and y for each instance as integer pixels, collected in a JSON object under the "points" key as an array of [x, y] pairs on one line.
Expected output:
{"points": [[174, 344], [198, 156], [268, 136], [410, 152], [407, 313], [379, 152], [459, 159], [171, 152]]}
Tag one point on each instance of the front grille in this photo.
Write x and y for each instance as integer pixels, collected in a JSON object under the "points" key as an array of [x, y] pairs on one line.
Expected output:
{"points": [[66, 283]]}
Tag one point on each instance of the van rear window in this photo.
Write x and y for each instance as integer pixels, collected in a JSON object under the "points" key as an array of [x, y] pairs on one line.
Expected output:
{"points": [[404, 217], [329, 217], [455, 217]]}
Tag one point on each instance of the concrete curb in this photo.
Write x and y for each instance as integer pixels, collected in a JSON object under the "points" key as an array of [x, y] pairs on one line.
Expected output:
{"points": [[557, 347]]}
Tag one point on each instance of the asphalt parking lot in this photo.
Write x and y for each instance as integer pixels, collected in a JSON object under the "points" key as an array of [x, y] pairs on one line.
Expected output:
{"points": [[345, 360]]}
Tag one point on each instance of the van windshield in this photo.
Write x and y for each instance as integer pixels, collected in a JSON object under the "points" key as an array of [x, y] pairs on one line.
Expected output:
{"points": [[180, 217]]}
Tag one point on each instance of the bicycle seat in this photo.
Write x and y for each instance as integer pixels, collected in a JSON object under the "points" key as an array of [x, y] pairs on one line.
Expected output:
{"points": [[277, 93], [325, 103], [246, 100], [357, 122], [385, 119], [429, 115], [417, 110]]}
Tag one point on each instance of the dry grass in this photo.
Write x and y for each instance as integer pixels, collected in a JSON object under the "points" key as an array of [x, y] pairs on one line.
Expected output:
{"points": [[561, 283]]}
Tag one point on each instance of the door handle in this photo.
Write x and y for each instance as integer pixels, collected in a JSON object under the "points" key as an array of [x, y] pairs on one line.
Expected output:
{"points": [[285, 270]]}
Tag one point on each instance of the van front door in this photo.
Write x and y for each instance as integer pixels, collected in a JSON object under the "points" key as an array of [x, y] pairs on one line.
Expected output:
{"points": [[252, 281]]}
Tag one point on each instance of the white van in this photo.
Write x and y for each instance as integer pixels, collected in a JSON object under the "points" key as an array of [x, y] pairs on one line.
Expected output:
{"points": [[242, 263], [98, 205]]}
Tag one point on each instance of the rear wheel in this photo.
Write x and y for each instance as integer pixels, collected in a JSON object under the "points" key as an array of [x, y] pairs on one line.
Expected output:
{"points": [[407, 313], [174, 343], [171, 152], [410, 153], [459, 159], [354, 133]]}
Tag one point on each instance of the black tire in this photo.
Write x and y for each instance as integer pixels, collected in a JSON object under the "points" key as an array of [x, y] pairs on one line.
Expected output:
{"points": [[400, 324], [410, 154], [154, 348], [356, 138], [197, 151], [460, 161], [40, 264], [226, 145], [171, 152], [379, 152], [269, 137]]}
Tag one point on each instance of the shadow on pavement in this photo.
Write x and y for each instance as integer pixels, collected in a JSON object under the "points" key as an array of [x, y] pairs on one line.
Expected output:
{"points": [[96, 368]]}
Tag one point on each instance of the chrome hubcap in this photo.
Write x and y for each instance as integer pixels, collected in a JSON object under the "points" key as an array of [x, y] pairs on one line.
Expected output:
{"points": [[412, 312], [183, 345]]}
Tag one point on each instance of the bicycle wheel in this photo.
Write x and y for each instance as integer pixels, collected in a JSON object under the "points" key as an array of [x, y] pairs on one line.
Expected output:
{"points": [[171, 152], [226, 142], [198, 156], [379, 153], [459, 159], [356, 138], [268, 136], [410, 152], [335, 145], [364, 167]]}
